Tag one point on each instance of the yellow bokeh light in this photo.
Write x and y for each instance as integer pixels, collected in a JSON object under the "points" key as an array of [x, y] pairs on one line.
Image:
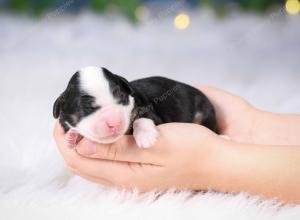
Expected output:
{"points": [[292, 6], [182, 21]]}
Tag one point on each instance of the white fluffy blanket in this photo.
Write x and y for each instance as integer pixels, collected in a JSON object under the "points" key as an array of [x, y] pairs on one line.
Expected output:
{"points": [[255, 57]]}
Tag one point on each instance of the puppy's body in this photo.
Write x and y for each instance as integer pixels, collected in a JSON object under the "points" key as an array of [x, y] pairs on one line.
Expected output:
{"points": [[164, 100], [103, 106]]}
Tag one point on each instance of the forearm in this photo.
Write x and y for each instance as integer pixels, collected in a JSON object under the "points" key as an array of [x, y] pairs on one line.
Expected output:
{"points": [[268, 171], [276, 129]]}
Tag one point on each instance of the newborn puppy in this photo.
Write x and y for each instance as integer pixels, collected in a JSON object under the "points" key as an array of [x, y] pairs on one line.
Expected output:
{"points": [[103, 106]]}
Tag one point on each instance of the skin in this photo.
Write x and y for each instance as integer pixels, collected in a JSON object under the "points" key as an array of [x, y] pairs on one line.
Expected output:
{"points": [[262, 156]]}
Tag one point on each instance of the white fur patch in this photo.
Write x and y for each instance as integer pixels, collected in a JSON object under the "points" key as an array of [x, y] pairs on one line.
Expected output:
{"points": [[144, 132], [93, 82], [198, 118]]}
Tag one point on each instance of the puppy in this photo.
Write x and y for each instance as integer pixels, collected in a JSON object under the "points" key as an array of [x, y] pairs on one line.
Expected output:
{"points": [[103, 106]]}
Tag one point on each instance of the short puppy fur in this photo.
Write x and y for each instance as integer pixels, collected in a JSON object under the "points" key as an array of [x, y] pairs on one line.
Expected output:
{"points": [[103, 106]]}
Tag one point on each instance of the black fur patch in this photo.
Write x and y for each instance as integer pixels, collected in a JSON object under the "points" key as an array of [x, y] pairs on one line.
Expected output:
{"points": [[73, 104], [160, 99], [119, 87], [164, 100]]}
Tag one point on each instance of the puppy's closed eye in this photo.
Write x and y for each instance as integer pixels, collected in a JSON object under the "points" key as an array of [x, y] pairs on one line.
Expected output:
{"points": [[88, 104], [86, 98]]}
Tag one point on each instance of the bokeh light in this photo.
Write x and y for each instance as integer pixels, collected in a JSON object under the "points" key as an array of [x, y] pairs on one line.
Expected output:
{"points": [[292, 6], [182, 21]]}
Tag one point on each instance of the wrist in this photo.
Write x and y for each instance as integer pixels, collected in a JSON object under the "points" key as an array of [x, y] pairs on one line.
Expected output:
{"points": [[271, 128], [255, 122], [223, 168], [211, 164], [244, 126], [258, 127]]}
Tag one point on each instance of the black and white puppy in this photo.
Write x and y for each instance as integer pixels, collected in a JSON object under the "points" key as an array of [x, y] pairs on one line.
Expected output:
{"points": [[103, 106]]}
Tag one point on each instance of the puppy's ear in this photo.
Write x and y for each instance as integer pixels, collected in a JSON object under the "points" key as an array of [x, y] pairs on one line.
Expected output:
{"points": [[126, 85], [57, 106], [118, 80]]}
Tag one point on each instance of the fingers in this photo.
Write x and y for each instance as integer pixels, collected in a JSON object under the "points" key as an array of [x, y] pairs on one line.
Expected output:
{"points": [[59, 135], [58, 130], [125, 149], [68, 154], [220, 97], [103, 171], [94, 179], [113, 173], [214, 93]]}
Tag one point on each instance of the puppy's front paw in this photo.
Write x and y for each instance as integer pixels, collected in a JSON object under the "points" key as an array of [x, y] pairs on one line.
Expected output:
{"points": [[144, 132]]}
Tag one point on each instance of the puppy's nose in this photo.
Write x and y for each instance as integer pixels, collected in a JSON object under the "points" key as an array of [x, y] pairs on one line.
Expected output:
{"points": [[113, 126]]}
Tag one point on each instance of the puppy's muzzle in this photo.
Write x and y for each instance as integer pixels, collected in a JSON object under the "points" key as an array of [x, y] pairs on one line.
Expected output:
{"points": [[108, 122]]}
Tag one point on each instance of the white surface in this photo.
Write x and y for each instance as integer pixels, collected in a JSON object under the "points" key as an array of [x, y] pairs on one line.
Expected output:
{"points": [[255, 57]]}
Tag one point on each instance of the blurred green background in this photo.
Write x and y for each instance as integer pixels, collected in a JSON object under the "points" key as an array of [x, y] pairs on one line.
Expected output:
{"points": [[129, 7]]}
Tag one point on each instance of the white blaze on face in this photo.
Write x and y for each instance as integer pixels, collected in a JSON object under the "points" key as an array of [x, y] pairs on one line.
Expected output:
{"points": [[95, 126], [93, 81]]}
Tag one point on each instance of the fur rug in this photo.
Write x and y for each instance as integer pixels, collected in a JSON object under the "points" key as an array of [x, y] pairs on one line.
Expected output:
{"points": [[255, 57]]}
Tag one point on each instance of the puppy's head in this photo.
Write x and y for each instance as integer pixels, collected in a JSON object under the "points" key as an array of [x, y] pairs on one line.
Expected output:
{"points": [[97, 104]]}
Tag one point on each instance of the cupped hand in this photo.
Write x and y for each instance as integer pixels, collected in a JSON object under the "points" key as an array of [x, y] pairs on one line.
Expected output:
{"points": [[182, 157], [236, 118]]}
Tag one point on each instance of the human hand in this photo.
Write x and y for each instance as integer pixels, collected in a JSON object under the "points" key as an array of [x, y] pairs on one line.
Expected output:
{"points": [[236, 118], [244, 123], [184, 156]]}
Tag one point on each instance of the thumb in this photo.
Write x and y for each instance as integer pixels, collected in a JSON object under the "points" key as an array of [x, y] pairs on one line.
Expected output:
{"points": [[125, 149]]}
